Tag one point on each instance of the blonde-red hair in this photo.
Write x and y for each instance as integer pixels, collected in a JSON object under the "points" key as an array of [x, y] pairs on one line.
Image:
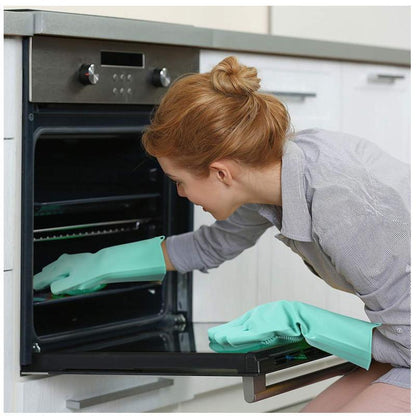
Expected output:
{"points": [[218, 115]]}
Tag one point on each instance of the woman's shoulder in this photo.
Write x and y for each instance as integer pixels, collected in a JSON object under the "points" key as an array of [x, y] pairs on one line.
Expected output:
{"points": [[334, 144]]}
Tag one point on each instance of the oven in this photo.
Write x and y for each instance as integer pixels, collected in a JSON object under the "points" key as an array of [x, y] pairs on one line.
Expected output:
{"points": [[87, 184]]}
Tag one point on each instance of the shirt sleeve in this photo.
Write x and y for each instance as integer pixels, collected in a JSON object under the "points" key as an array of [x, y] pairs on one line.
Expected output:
{"points": [[210, 246], [368, 242]]}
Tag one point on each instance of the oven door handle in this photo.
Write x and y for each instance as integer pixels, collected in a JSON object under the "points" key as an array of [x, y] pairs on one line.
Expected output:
{"points": [[161, 382], [255, 388]]}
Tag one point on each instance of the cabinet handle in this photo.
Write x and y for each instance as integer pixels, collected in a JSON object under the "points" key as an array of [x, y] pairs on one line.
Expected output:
{"points": [[104, 398], [255, 388], [300, 95], [384, 78]]}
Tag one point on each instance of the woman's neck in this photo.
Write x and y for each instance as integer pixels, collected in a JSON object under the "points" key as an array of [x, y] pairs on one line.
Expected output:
{"points": [[263, 186]]}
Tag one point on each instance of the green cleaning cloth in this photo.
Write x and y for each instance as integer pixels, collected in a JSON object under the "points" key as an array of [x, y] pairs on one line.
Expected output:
{"points": [[283, 322], [87, 272]]}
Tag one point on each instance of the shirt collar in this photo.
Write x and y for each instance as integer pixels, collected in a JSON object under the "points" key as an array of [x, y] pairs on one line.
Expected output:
{"points": [[296, 219]]}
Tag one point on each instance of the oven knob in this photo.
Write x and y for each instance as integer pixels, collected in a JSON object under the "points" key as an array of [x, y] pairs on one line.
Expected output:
{"points": [[161, 77], [87, 74]]}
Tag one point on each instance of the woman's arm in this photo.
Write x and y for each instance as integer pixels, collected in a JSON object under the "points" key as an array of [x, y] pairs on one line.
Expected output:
{"points": [[169, 266], [209, 246]]}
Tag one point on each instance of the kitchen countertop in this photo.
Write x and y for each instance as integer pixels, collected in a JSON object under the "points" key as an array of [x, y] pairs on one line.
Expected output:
{"points": [[32, 22]]}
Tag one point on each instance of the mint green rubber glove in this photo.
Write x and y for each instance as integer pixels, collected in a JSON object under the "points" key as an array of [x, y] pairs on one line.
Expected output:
{"points": [[75, 274], [283, 322]]}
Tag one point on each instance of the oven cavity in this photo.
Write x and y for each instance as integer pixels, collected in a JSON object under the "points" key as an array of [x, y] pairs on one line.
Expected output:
{"points": [[93, 191]]}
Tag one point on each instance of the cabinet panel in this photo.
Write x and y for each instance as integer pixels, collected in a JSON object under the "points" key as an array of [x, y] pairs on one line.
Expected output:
{"points": [[376, 105], [11, 201], [11, 146], [230, 290]]}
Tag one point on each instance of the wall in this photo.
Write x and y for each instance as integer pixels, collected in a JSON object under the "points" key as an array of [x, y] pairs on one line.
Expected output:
{"points": [[239, 18], [387, 26], [369, 25]]}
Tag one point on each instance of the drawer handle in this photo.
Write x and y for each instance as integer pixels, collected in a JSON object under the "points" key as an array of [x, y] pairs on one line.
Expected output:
{"points": [[384, 78], [255, 388], [300, 95], [104, 398]]}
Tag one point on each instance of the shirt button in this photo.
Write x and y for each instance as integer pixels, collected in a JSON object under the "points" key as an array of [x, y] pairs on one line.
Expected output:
{"points": [[399, 330]]}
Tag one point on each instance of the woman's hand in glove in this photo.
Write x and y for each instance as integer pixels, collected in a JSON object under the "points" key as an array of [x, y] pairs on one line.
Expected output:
{"points": [[282, 322], [87, 272]]}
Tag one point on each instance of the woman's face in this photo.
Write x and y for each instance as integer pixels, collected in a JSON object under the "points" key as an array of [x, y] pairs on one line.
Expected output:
{"points": [[212, 193]]}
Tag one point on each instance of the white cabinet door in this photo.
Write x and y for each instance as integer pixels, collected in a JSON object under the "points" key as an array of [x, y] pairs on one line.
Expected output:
{"points": [[376, 106], [228, 291]]}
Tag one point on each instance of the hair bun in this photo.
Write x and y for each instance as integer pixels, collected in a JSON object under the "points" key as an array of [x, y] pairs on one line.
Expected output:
{"points": [[230, 78]]}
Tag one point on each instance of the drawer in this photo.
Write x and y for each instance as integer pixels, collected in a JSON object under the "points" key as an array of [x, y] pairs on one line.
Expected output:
{"points": [[96, 394], [376, 106]]}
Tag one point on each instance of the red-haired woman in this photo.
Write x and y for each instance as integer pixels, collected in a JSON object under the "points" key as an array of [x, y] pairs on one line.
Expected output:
{"points": [[338, 201]]}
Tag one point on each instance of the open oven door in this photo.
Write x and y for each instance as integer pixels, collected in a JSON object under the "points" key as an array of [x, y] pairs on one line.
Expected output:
{"points": [[183, 350]]}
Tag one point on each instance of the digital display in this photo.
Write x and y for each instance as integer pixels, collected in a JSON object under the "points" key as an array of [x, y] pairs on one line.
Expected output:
{"points": [[122, 59]]}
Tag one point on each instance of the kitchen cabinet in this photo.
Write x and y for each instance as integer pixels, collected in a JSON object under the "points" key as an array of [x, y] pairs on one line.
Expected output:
{"points": [[376, 105]]}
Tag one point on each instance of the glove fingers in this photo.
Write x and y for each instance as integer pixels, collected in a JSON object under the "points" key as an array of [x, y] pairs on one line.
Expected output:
{"points": [[74, 285], [42, 280], [51, 272], [244, 337], [240, 321], [222, 336], [61, 286]]}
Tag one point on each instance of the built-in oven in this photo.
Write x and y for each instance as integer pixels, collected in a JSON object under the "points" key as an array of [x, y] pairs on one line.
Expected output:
{"points": [[87, 184]]}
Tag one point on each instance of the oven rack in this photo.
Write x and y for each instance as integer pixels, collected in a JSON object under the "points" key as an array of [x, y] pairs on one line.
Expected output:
{"points": [[46, 298], [90, 230], [43, 208]]}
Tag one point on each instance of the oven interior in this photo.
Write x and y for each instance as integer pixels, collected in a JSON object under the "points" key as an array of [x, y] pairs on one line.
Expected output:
{"points": [[93, 191]]}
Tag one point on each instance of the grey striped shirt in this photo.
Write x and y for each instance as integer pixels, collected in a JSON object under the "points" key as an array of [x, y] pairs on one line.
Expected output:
{"points": [[346, 212]]}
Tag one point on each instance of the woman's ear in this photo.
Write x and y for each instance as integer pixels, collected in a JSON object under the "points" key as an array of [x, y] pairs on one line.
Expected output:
{"points": [[222, 171]]}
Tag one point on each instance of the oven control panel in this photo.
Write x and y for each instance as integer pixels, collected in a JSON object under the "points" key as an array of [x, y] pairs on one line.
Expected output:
{"points": [[104, 72]]}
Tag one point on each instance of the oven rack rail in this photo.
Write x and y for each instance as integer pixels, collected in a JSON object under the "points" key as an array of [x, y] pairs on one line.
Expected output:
{"points": [[95, 200], [89, 230]]}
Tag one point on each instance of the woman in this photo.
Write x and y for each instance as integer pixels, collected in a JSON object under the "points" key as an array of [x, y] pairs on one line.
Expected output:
{"points": [[338, 201]]}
